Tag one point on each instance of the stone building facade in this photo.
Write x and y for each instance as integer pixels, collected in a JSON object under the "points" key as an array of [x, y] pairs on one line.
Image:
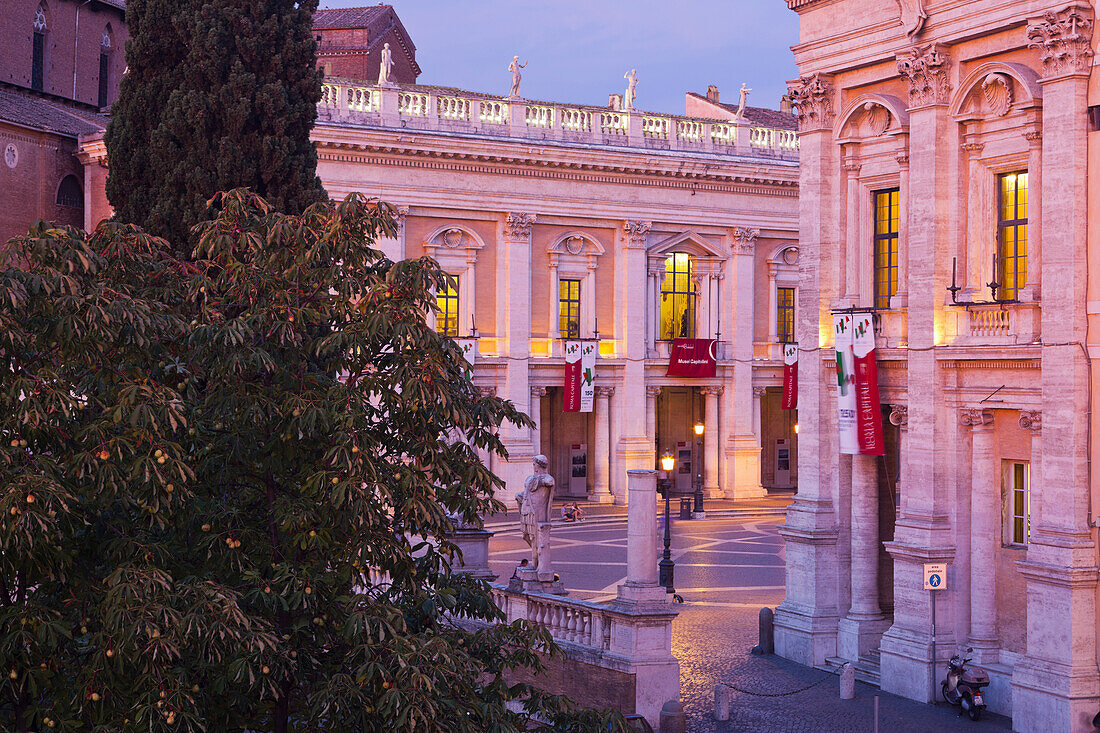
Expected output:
{"points": [[946, 147], [350, 43]]}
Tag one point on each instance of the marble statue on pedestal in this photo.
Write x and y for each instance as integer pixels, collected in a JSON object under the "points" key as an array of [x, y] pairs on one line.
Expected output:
{"points": [[631, 88], [385, 66], [514, 67], [534, 516], [744, 99]]}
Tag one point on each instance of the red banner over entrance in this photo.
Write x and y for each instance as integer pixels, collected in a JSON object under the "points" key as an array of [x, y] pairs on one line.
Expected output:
{"points": [[790, 376], [868, 411], [693, 358]]}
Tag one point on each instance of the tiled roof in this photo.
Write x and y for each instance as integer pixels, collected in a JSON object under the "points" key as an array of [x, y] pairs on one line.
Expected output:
{"points": [[41, 113], [120, 4], [761, 115], [348, 17]]}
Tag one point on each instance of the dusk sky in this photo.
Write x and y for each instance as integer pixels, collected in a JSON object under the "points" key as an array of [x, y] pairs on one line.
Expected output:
{"points": [[578, 51]]}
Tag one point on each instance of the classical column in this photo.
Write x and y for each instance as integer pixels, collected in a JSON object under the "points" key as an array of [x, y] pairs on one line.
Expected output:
{"points": [[1032, 291], [1056, 686], [711, 440], [651, 393], [601, 464], [553, 324], [629, 441], [514, 339], [899, 416], [652, 310], [535, 413], [901, 297], [806, 620], [862, 628], [742, 450], [773, 304], [974, 270], [1032, 421], [923, 532], [757, 417], [985, 535], [394, 247], [853, 241]]}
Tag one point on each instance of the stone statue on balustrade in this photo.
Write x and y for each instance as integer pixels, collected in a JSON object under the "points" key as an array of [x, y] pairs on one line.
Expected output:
{"points": [[385, 67], [631, 89], [514, 67], [744, 100], [534, 516]]}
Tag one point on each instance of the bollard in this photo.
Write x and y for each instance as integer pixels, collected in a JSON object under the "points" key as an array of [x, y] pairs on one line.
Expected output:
{"points": [[672, 718], [847, 682], [766, 643], [721, 702]]}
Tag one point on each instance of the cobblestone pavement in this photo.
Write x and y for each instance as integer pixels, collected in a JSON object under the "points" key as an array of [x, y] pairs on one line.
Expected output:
{"points": [[727, 569]]}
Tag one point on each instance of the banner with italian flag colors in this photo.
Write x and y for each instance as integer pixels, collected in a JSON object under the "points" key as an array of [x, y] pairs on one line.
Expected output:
{"points": [[847, 433], [868, 411], [469, 349], [790, 376], [580, 376]]}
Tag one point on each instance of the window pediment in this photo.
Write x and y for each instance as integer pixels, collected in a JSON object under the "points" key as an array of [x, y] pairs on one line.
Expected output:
{"points": [[690, 243]]}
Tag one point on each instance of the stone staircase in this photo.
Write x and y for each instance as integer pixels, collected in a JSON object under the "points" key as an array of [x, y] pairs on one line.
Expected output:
{"points": [[867, 667]]}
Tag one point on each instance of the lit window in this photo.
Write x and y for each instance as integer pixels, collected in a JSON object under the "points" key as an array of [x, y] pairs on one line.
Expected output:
{"points": [[886, 246], [569, 308], [678, 298], [1018, 494], [784, 314], [446, 308], [1012, 235]]}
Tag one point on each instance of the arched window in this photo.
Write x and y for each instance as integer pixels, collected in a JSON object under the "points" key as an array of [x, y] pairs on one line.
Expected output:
{"points": [[105, 46], [70, 193], [38, 48], [678, 297]]}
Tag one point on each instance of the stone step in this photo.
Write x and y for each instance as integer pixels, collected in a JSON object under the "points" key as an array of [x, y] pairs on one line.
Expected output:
{"points": [[867, 668]]}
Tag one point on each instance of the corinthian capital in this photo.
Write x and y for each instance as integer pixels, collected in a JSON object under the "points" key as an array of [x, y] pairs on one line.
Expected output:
{"points": [[518, 226], [634, 233], [812, 97], [1031, 420], [1064, 39], [899, 416], [744, 240], [926, 69]]}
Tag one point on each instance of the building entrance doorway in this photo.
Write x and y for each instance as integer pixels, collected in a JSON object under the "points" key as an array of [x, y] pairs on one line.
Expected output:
{"points": [[678, 409], [566, 442]]}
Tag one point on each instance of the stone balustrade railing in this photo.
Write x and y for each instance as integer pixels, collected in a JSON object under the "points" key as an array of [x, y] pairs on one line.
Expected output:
{"points": [[570, 620], [452, 110], [996, 324]]}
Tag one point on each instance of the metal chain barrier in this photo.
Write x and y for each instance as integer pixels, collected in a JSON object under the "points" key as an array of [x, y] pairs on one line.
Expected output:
{"points": [[777, 694]]}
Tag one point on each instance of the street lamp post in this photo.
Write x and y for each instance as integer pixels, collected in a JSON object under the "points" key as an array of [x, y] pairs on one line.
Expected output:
{"points": [[697, 510], [666, 567]]}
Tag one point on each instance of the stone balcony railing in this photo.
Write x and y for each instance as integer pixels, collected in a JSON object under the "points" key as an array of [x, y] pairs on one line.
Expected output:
{"points": [[452, 110], [570, 620], [994, 324]]}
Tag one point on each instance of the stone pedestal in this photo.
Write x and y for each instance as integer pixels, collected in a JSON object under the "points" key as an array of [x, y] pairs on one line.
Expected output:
{"points": [[474, 544], [527, 581]]}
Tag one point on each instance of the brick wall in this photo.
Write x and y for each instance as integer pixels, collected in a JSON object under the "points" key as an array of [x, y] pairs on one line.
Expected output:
{"points": [[30, 188], [62, 47]]}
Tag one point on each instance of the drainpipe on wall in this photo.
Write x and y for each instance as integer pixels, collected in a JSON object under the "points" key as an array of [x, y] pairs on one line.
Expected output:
{"points": [[76, 42]]}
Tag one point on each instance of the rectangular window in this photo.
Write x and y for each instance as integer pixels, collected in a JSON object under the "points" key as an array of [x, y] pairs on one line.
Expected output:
{"points": [[784, 314], [38, 61], [446, 308], [1018, 495], [569, 308], [1012, 207], [104, 70], [886, 245], [678, 298]]}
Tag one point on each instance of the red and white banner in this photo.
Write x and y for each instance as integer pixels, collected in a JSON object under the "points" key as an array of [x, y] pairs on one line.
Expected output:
{"points": [[868, 411], [469, 349], [790, 376], [847, 433], [693, 358], [580, 376]]}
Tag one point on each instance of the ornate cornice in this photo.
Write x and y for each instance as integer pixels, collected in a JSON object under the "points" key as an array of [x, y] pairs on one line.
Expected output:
{"points": [[926, 69], [975, 416], [518, 226], [634, 233], [1031, 420], [812, 97], [744, 240], [1064, 40]]}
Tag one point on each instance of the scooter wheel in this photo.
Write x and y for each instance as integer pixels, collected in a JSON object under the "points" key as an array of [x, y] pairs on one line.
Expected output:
{"points": [[975, 712], [947, 695]]}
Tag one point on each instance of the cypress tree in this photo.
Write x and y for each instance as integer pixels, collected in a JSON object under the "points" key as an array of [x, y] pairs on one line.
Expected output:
{"points": [[219, 94]]}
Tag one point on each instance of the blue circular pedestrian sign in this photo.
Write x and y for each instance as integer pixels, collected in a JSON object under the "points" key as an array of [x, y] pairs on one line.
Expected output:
{"points": [[934, 580]]}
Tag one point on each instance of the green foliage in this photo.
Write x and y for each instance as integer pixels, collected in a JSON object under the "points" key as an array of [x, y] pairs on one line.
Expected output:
{"points": [[240, 516], [218, 94]]}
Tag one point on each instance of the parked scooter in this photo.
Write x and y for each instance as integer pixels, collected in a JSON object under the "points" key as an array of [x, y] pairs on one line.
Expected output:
{"points": [[963, 685]]}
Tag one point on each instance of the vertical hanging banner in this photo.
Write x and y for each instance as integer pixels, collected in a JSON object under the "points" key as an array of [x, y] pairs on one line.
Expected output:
{"points": [[790, 376], [469, 349], [588, 375], [847, 433], [571, 399], [868, 411], [693, 358]]}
